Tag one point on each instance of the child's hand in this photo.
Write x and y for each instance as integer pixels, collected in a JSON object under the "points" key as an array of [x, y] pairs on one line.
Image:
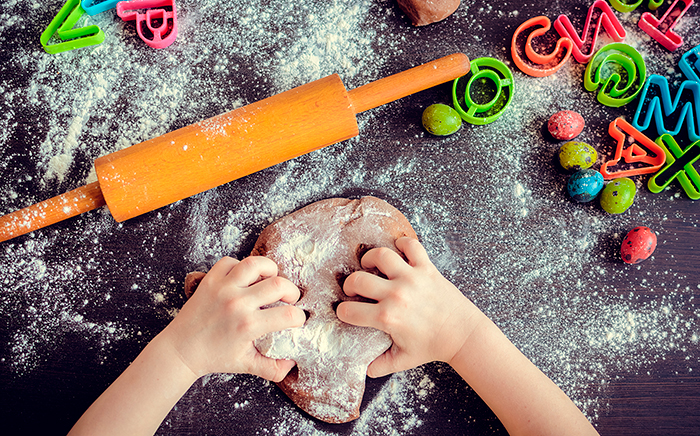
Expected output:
{"points": [[427, 317], [215, 330]]}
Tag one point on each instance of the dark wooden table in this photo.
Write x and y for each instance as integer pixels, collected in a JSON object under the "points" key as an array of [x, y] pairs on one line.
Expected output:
{"points": [[81, 299]]}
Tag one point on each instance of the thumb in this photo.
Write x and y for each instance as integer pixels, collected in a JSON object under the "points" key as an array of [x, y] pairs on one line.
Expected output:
{"points": [[384, 365], [272, 369]]}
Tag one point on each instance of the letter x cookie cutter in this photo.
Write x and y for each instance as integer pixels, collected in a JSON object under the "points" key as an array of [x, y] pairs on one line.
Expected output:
{"points": [[662, 29], [632, 151], [679, 166], [62, 26], [157, 27]]}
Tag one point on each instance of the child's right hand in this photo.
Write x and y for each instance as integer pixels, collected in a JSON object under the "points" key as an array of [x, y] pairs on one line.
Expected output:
{"points": [[427, 317]]}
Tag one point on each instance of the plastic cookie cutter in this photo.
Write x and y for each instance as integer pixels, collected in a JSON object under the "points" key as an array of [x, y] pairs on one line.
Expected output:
{"points": [[157, 27], [533, 33], [619, 71], [656, 102], [94, 7], [488, 92], [690, 64], [662, 29], [62, 25], [679, 166], [629, 6], [634, 150], [599, 15]]}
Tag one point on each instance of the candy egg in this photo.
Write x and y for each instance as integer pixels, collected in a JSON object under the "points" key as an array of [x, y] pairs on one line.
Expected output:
{"points": [[618, 195], [585, 185], [638, 245], [574, 156], [440, 119], [565, 125]]}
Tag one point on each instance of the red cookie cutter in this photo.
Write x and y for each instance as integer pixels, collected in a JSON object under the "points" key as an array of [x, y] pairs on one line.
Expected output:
{"points": [[662, 29], [599, 14], [633, 150], [157, 27], [528, 59]]}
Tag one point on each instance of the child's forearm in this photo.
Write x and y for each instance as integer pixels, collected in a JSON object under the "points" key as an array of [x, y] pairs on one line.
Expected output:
{"points": [[138, 401], [524, 399]]}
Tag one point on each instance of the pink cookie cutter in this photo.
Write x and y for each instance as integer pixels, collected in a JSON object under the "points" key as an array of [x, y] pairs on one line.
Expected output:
{"points": [[632, 150], [157, 26], [662, 29]]}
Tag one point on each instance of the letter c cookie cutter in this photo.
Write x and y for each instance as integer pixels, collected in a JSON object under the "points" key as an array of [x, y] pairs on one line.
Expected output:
{"points": [[487, 76], [531, 61], [157, 27]]}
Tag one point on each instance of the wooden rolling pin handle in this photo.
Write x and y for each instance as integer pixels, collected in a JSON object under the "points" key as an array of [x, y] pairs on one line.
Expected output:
{"points": [[408, 82], [51, 211]]}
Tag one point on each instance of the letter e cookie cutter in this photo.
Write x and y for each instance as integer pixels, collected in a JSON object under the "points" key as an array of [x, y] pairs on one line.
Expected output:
{"points": [[157, 27], [662, 29], [62, 26], [679, 165], [633, 151]]}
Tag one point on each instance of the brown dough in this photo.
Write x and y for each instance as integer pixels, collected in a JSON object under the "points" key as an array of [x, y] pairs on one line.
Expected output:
{"points": [[424, 12], [316, 248]]}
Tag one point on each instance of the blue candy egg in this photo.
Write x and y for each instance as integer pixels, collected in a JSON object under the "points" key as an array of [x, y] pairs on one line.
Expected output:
{"points": [[585, 185]]}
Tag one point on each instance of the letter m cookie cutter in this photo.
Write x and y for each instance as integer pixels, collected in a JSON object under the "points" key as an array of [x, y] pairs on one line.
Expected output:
{"points": [[157, 26]]}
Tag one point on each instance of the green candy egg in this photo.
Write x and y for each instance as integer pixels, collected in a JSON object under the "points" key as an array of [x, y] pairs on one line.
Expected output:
{"points": [[575, 156], [618, 195], [440, 119]]}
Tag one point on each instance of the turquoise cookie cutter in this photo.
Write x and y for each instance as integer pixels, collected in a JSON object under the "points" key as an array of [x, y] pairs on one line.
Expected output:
{"points": [[612, 64], [63, 24], [679, 166], [632, 150], [661, 29], [605, 18], [656, 102], [629, 6], [94, 7], [690, 64], [484, 71]]}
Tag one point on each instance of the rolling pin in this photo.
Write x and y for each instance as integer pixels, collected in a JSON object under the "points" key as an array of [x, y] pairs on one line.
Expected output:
{"points": [[218, 150]]}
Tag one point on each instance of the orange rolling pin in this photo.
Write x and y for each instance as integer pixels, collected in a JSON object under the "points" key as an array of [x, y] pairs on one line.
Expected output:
{"points": [[221, 149]]}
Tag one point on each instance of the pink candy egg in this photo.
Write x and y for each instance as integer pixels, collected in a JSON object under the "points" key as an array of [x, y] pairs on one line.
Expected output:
{"points": [[638, 245], [565, 125]]}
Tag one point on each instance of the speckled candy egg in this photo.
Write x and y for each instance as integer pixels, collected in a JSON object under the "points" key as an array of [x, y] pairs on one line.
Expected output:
{"points": [[638, 245], [618, 195], [574, 156], [585, 185], [565, 125]]}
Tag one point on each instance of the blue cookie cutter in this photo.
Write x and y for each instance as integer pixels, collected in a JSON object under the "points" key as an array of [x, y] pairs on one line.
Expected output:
{"points": [[62, 25], [679, 166], [94, 7], [690, 64]]}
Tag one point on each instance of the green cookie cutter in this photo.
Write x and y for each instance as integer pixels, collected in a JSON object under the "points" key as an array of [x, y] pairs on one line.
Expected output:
{"points": [[628, 6], [483, 71], [680, 164], [63, 24], [612, 64]]}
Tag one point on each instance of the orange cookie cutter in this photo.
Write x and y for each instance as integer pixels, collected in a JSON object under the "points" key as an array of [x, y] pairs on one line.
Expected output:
{"points": [[632, 152], [528, 59]]}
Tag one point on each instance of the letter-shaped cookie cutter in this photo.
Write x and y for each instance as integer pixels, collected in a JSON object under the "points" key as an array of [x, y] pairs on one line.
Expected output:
{"points": [[62, 25], [527, 58], [655, 102], [484, 70], [679, 165], [599, 14], [633, 151], [159, 22], [662, 29], [690, 64], [609, 66], [94, 7], [629, 6]]}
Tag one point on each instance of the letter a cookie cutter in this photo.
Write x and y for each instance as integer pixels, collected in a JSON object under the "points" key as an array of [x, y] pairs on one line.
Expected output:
{"points": [[662, 29], [157, 27], [62, 26], [633, 151], [679, 165], [531, 61]]}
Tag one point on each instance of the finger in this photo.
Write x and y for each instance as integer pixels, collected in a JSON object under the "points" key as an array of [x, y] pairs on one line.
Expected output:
{"points": [[271, 369], [252, 269], [274, 289], [359, 314], [366, 285], [278, 318], [385, 260], [414, 251], [385, 364], [222, 267]]}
